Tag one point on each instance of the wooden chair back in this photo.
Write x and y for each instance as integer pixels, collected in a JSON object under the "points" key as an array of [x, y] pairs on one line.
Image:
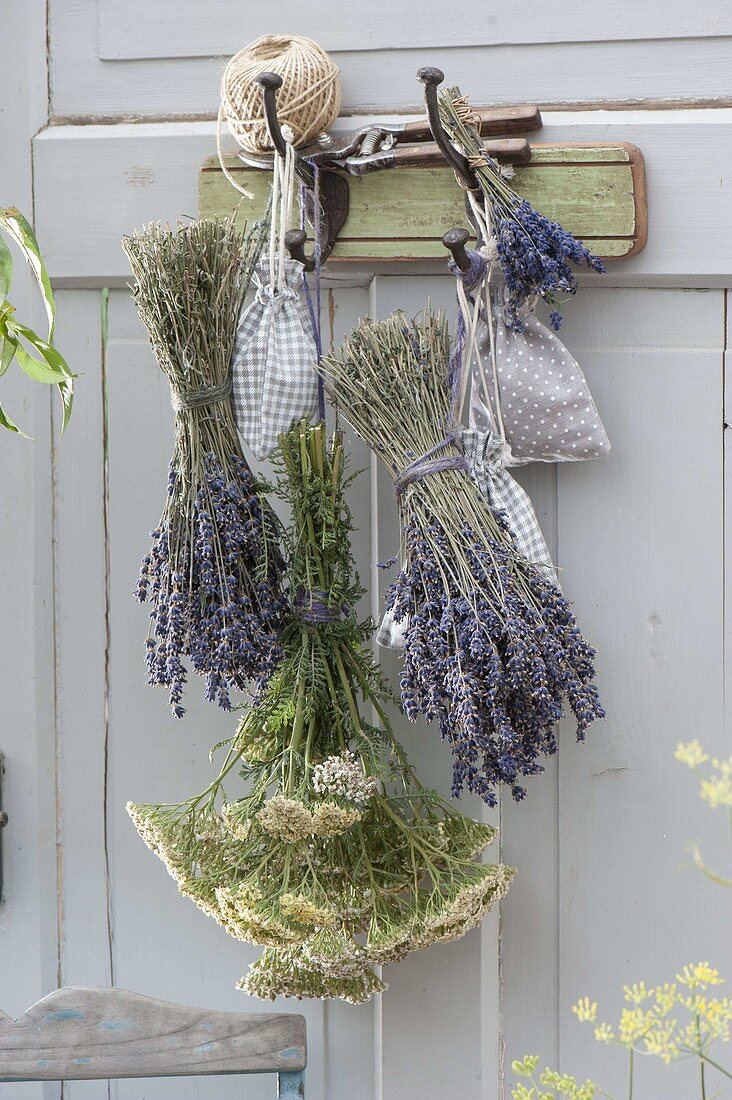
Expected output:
{"points": [[82, 1033]]}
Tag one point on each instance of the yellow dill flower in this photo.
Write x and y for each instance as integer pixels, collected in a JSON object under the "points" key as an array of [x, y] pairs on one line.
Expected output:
{"points": [[699, 976], [633, 1025], [661, 1041], [604, 1034], [665, 996], [585, 1010], [560, 1084], [565, 1086], [724, 767], [691, 753], [526, 1067], [635, 994], [716, 1016], [717, 791]]}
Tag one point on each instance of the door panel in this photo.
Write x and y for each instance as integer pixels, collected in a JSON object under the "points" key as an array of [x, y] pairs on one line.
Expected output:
{"points": [[639, 539]]}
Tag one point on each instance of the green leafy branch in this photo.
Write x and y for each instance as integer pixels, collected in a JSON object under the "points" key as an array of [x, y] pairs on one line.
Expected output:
{"points": [[34, 354]]}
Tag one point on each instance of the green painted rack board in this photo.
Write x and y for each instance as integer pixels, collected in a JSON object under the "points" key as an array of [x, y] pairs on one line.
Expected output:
{"points": [[595, 191]]}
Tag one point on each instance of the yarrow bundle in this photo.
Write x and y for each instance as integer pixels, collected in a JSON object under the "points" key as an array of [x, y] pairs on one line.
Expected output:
{"points": [[213, 572], [533, 251], [336, 858], [491, 644]]}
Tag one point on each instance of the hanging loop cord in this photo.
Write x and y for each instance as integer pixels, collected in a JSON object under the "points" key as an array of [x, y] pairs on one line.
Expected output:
{"points": [[432, 462], [283, 186], [313, 300], [482, 214]]}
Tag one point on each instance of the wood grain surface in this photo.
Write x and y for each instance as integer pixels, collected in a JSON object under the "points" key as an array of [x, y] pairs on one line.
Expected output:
{"points": [[87, 1034], [597, 191]]}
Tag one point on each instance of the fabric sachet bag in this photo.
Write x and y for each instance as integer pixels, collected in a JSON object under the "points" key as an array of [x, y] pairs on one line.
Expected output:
{"points": [[528, 384], [273, 364]]}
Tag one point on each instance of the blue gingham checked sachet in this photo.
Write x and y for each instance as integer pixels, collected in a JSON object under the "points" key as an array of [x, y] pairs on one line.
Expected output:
{"points": [[274, 382], [483, 452]]}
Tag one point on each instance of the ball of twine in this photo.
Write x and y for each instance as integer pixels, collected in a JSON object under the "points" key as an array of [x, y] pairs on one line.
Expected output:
{"points": [[308, 101]]}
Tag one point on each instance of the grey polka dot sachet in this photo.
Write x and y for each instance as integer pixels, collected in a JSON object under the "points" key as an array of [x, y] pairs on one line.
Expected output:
{"points": [[484, 453], [543, 399], [274, 358]]}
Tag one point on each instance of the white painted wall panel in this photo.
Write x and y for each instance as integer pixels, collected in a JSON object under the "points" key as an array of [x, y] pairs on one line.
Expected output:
{"points": [[544, 69], [95, 182], [641, 545], [602, 896], [172, 28], [443, 1004], [82, 630], [531, 842]]}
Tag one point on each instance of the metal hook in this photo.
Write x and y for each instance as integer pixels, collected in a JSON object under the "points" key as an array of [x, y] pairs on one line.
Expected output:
{"points": [[270, 83], [295, 245], [333, 188], [455, 241], [432, 78]]}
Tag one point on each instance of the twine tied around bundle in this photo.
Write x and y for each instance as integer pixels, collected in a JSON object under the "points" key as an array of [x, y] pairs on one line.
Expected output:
{"points": [[308, 101], [197, 399], [431, 462], [313, 606]]}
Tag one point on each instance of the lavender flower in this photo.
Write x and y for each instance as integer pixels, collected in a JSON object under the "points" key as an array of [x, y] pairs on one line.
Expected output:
{"points": [[213, 573], [493, 668], [219, 603], [492, 650], [533, 251]]}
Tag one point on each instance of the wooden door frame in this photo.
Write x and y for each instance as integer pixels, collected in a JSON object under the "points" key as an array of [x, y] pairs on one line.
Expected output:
{"points": [[29, 915]]}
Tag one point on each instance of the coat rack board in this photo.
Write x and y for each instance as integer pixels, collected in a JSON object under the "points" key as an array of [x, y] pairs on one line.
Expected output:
{"points": [[596, 191]]}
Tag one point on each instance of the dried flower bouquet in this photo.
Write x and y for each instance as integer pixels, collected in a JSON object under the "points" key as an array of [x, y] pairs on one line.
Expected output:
{"points": [[213, 572], [492, 647], [336, 858], [533, 251]]}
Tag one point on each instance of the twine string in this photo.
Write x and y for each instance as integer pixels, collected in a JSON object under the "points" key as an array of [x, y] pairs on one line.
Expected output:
{"points": [[313, 606], [428, 463], [198, 399], [431, 462], [313, 300], [482, 214], [309, 99]]}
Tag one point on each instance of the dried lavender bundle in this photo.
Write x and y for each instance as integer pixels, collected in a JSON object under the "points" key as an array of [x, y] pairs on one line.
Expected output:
{"points": [[336, 858], [492, 647], [213, 573], [533, 251]]}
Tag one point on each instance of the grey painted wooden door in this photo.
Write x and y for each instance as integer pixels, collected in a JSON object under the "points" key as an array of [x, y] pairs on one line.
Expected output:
{"points": [[604, 893], [602, 896]]}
